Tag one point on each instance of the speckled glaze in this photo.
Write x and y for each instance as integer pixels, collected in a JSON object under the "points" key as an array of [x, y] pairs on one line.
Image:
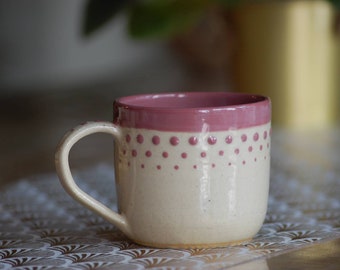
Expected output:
{"points": [[192, 169]]}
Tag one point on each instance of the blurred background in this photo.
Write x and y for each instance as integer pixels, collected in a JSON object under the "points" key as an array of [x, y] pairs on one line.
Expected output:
{"points": [[63, 62]]}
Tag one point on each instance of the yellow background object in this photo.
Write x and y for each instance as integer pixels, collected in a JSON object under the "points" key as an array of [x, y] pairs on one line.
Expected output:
{"points": [[287, 50]]}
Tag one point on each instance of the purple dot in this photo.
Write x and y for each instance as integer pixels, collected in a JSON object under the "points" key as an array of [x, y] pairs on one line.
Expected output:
{"points": [[237, 151], [244, 137], [229, 164], [213, 165], [159, 167], [243, 162], [221, 153], [165, 154], [203, 154], [174, 140], [256, 137], [193, 140], [229, 139], [156, 140], [212, 140], [255, 159], [250, 148], [265, 134], [148, 153], [184, 155], [140, 138], [134, 153], [195, 166], [176, 167], [127, 138], [124, 152], [129, 163], [261, 147], [142, 166]]}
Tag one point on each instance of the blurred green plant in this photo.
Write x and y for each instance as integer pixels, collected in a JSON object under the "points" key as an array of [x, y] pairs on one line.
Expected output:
{"points": [[155, 18]]}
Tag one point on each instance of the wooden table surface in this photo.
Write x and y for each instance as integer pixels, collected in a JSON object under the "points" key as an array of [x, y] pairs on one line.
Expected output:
{"points": [[32, 125]]}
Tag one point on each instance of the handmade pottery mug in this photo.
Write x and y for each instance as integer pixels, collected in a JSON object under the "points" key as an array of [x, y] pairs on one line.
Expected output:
{"points": [[191, 169]]}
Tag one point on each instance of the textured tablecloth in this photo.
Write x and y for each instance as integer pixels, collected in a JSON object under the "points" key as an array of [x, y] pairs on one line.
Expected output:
{"points": [[41, 227]]}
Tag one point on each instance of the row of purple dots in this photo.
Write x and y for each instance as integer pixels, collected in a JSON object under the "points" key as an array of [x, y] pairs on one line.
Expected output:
{"points": [[193, 140], [184, 155], [176, 167]]}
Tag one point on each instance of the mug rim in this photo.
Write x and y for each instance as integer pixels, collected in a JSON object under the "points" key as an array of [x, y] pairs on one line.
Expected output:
{"points": [[136, 112]]}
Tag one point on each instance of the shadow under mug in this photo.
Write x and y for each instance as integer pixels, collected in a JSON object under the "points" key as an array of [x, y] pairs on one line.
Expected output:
{"points": [[191, 169]]}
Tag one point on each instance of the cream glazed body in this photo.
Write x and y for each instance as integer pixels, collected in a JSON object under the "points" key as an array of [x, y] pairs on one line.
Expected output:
{"points": [[193, 189]]}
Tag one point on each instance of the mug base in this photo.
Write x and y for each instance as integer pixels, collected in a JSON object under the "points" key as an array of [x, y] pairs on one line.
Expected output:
{"points": [[189, 246]]}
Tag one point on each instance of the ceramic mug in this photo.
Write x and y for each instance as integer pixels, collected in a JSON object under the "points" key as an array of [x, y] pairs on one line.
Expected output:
{"points": [[191, 169]]}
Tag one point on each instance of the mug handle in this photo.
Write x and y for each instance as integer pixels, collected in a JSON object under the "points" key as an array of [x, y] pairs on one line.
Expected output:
{"points": [[65, 175]]}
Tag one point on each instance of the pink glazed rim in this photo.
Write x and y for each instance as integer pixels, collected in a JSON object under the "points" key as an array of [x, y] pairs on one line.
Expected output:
{"points": [[192, 111]]}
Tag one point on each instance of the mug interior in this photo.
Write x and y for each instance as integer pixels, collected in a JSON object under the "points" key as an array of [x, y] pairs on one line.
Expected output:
{"points": [[188, 100]]}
